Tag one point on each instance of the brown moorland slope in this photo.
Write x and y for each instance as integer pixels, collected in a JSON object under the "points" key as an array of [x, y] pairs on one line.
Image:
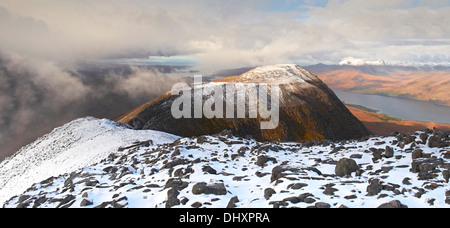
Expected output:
{"points": [[384, 125], [420, 85]]}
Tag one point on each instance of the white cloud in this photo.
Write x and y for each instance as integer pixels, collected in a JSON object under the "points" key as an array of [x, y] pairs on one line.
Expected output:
{"points": [[226, 32]]}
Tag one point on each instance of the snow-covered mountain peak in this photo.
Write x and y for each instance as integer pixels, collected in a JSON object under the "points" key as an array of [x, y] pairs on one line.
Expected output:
{"points": [[351, 61], [282, 74]]}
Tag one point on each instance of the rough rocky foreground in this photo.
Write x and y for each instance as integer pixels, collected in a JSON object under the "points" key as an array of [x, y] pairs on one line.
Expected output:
{"points": [[399, 171]]}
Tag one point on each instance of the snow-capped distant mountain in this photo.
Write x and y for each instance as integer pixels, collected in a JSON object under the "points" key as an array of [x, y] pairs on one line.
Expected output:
{"points": [[350, 61], [78, 144], [357, 62]]}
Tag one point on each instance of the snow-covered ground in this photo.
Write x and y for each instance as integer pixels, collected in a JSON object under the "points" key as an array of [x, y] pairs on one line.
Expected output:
{"points": [[78, 144], [210, 171]]}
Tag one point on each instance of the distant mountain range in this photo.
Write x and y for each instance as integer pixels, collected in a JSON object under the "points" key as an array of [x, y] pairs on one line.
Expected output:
{"points": [[351, 61], [426, 82], [378, 69]]}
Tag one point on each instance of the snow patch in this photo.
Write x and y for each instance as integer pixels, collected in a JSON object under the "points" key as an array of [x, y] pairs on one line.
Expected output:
{"points": [[280, 74], [78, 144]]}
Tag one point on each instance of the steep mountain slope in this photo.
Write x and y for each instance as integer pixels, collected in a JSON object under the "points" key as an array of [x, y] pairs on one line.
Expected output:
{"points": [[78, 144], [309, 110], [406, 170]]}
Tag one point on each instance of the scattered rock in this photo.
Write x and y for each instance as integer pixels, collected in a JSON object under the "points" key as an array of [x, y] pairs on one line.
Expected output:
{"points": [[202, 139], [172, 198], [178, 173], [322, 205], [406, 181], [85, 203], [446, 175], [409, 139], [214, 189], [389, 152], [346, 167], [435, 141], [423, 137], [374, 187], [350, 197], [292, 199], [303, 196], [297, 186], [425, 164], [356, 156], [104, 204], [309, 200], [386, 169], [243, 150], [92, 183], [176, 162], [239, 178], [419, 193], [209, 169], [232, 202], [263, 159], [279, 172], [39, 201], [431, 201], [426, 175], [393, 204], [432, 186], [447, 197], [176, 183], [23, 198], [175, 153], [68, 199], [447, 155], [278, 204], [381, 196], [184, 200], [268, 192], [259, 174], [377, 154], [329, 190], [417, 153]]}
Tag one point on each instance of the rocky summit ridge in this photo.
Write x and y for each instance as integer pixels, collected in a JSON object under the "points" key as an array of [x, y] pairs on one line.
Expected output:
{"points": [[218, 171]]}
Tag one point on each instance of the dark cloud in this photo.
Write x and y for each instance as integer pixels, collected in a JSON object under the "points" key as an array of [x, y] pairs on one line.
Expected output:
{"points": [[37, 96]]}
